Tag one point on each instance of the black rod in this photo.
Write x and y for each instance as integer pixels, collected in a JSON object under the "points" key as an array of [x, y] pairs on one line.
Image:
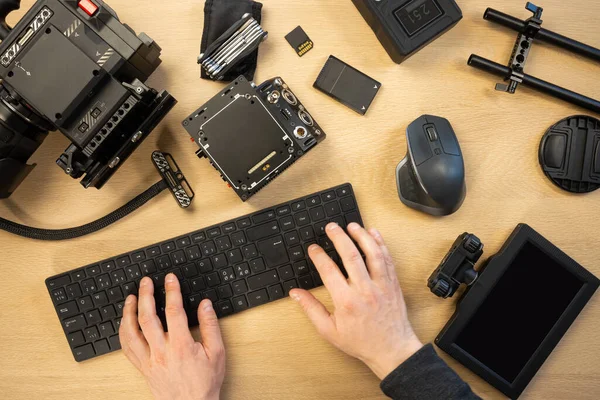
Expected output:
{"points": [[535, 83], [543, 35]]}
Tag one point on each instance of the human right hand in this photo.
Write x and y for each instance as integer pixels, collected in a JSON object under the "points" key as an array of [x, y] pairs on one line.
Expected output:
{"points": [[370, 320]]}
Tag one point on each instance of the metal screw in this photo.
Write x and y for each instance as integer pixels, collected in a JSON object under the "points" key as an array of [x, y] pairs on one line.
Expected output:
{"points": [[290, 150], [136, 137], [185, 123], [299, 153], [244, 187], [114, 162]]}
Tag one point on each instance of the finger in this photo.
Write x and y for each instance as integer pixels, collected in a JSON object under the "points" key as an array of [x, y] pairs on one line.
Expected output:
{"points": [[315, 311], [375, 258], [210, 330], [177, 321], [330, 273], [151, 325], [133, 343], [351, 257], [387, 256]]}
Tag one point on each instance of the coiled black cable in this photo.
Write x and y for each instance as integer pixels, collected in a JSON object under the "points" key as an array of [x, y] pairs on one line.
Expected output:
{"points": [[72, 233]]}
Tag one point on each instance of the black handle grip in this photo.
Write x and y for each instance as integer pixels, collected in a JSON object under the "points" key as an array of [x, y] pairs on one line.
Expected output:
{"points": [[6, 7]]}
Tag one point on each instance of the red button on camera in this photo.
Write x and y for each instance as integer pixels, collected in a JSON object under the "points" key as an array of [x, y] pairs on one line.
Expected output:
{"points": [[88, 7]]}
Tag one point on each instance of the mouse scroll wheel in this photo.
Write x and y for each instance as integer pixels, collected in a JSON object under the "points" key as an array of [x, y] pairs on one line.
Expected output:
{"points": [[432, 133]]}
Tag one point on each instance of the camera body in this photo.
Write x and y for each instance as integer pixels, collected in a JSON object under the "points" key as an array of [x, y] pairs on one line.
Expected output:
{"points": [[72, 66], [457, 267]]}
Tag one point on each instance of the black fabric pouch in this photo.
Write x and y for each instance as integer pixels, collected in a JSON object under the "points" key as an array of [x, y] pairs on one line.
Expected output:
{"points": [[220, 15]]}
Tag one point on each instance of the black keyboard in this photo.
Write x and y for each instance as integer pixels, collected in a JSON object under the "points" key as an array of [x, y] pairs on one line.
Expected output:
{"points": [[238, 264]]}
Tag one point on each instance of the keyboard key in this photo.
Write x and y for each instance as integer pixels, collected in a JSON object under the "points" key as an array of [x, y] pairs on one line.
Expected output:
{"points": [[296, 253], [288, 223], [189, 271], [238, 238], [76, 339], [242, 270], [93, 270], [276, 292], [223, 243], [108, 266], [306, 282], [302, 218], [108, 312], [212, 279], [84, 352], [213, 233], [148, 267], [340, 221], [317, 214], [85, 303], [274, 251], [115, 294], [204, 265], [234, 256], [286, 272], [183, 242], [198, 284], [208, 248], [244, 223], [74, 291], [257, 298], [332, 209], [307, 233], [257, 265], [106, 329], [250, 251], [262, 231], [59, 296], [78, 275], [225, 292], [139, 256], [289, 285], [153, 252], [301, 268], [353, 217], [285, 210], [219, 261], [292, 238], [93, 317], [103, 281], [320, 228], [317, 278], [118, 276], [59, 282], [129, 288], [263, 217], [240, 303], [211, 295], [326, 243], [159, 280], [74, 324], [123, 261], [348, 204], [119, 308], [263, 280], [101, 347], [167, 247], [178, 257], [298, 206], [193, 253], [100, 299], [164, 262], [229, 228], [227, 275], [185, 288], [114, 342], [193, 302], [343, 191], [314, 201], [91, 334], [328, 196], [239, 287], [224, 308]]}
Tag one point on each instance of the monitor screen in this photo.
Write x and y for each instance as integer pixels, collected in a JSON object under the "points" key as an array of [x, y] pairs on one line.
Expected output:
{"points": [[519, 312]]}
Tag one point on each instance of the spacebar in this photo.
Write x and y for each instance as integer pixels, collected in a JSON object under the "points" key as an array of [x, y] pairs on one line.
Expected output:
{"points": [[262, 231]]}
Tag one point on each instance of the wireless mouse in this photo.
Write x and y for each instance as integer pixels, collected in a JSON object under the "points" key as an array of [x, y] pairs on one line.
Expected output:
{"points": [[431, 178]]}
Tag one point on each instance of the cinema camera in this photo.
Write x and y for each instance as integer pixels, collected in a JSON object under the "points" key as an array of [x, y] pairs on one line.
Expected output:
{"points": [[72, 66]]}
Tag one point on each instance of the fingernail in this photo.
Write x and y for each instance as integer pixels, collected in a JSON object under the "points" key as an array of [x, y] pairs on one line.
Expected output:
{"points": [[145, 281], [313, 247], [353, 226], [170, 278], [129, 299], [207, 305], [295, 296], [332, 226], [376, 233]]}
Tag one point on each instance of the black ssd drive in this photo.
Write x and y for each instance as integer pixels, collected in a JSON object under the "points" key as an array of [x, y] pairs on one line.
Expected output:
{"points": [[347, 85]]}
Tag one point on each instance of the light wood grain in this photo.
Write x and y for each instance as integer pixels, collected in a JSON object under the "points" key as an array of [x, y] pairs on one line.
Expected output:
{"points": [[273, 351]]}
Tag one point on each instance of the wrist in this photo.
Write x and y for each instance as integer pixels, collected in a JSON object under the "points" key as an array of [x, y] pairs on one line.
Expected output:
{"points": [[386, 363]]}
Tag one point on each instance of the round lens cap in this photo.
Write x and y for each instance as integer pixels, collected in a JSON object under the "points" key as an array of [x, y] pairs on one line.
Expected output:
{"points": [[570, 154]]}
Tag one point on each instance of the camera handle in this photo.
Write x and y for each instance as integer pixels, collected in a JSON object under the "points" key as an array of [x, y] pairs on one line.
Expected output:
{"points": [[6, 7]]}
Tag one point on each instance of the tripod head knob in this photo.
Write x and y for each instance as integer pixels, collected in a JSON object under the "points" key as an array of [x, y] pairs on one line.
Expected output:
{"points": [[6, 7]]}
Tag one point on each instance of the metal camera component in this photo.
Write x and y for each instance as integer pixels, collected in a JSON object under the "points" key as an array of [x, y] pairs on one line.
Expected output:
{"points": [[274, 97], [457, 267], [289, 97], [305, 117], [74, 67], [300, 132]]}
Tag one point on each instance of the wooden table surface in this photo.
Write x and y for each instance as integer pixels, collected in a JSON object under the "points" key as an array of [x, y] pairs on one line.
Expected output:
{"points": [[273, 351]]}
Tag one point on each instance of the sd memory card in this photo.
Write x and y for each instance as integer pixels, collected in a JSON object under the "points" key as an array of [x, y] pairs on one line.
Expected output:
{"points": [[347, 85], [300, 41]]}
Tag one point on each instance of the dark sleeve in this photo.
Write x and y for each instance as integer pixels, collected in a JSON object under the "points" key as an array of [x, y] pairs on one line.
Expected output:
{"points": [[425, 376]]}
